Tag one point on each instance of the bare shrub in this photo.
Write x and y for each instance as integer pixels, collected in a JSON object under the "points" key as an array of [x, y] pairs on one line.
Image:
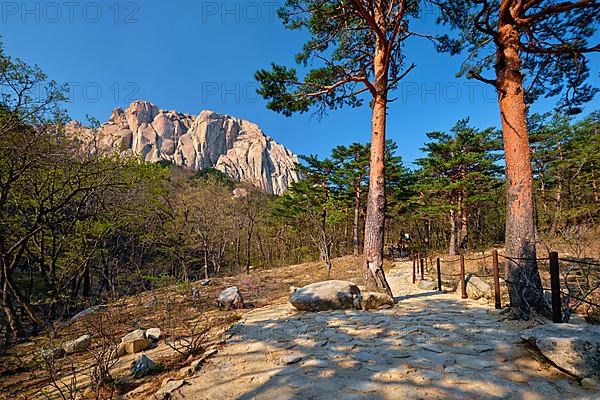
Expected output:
{"points": [[188, 339], [62, 374], [185, 336], [102, 355]]}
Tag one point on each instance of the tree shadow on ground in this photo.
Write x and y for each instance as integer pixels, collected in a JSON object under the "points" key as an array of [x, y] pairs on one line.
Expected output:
{"points": [[450, 349]]}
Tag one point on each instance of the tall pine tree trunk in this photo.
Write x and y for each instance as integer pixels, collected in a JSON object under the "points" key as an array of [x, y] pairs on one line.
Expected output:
{"points": [[464, 220], [375, 217], [524, 284], [452, 244]]}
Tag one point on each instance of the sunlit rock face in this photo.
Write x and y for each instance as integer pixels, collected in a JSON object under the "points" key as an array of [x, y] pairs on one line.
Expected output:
{"points": [[236, 147]]}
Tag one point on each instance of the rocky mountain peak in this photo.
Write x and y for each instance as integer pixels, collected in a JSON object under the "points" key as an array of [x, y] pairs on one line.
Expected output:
{"points": [[234, 146]]}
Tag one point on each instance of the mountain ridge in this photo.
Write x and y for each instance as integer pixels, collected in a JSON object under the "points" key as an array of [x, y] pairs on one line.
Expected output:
{"points": [[236, 147]]}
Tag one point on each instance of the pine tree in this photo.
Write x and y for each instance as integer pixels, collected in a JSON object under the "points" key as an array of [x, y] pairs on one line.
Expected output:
{"points": [[313, 202], [533, 48], [459, 171], [352, 172], [358, 46]]}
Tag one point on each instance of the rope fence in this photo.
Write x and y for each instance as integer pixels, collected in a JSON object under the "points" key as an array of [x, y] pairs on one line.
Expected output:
{"points": [[560, 293]]}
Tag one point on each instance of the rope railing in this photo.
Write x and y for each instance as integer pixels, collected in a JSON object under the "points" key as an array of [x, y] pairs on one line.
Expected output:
{"points": [[485, 256], [552, 261], [580, 262], [580, 299]]}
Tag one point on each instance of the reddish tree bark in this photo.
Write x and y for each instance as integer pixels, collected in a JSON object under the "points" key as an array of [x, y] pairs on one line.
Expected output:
{"points": [[522, 275], [374, 274]]}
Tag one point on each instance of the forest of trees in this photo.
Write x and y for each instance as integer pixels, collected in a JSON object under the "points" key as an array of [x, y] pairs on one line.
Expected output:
{"points": [[523, 49], [77, 230]]}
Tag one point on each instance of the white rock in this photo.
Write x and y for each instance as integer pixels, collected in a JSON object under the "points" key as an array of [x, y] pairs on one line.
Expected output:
{"points": [[78, 345], [153, 334], [572, 348], [134, 342], [165, 392], [231, 298], [134, 335], [87, 311], [236, 147], [477, 288], [326, 295]]}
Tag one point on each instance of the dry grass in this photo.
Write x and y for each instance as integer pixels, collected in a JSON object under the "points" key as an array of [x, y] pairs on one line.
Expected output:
{"points": [[22, 377]]}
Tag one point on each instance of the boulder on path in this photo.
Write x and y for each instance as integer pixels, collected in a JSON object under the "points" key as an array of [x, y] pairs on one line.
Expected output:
{"points": [[133, 342], [141, 367], [477, 288], [375, 300], [326, 295], [82, 343], [574, 349], [231, 298]]}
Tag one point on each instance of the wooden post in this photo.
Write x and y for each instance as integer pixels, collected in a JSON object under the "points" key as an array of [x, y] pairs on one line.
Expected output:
{"points": [[555, 287], [498, 303], [463, 283], [422, 270], [439, 274], [414, 269]]}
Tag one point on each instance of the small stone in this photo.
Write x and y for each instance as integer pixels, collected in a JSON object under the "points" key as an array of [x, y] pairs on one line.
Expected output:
{"points": [[589, 383], [134, 342], [316, 363], [290, 359], [151, 303], [135, 335], [432, 347], [209, 353], [141, 367], [78, 345], [154, 334], [398, 354], [167, 389], [55, 353], [477, 288], [87, 311], [481, 348]]}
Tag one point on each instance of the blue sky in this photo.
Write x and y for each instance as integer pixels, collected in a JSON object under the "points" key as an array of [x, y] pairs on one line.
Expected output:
{"points": [[195, 55]]}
